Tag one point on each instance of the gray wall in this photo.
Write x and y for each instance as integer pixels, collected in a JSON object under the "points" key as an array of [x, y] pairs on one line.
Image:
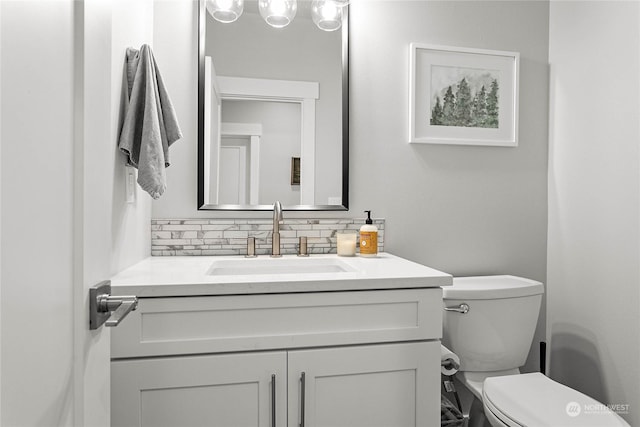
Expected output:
{"points": [[464, 210], [594, 201]]}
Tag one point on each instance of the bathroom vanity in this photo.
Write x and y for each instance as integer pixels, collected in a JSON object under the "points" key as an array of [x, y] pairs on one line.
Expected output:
{"points": [[317, 341]]}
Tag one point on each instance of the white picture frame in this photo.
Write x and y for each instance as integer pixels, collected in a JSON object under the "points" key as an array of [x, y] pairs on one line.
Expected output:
{"points": [[484, 82]]}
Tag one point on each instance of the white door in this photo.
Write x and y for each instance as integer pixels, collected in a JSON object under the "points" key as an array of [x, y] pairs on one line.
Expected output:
{"points": [[231, 390], [381, 385], [61, 82], [233, 172]]}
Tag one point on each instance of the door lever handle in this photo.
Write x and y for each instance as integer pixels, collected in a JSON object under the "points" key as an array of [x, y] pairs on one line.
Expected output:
{"points": [[118, 306], [106, 309]]}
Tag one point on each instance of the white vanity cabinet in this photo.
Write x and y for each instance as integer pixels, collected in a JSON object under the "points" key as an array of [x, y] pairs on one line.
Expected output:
{"points": [[362, 356], [368, 357], [378, 385]]}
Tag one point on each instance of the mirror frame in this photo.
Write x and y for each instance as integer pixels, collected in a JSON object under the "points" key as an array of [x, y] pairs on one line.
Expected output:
{"points": [[345, 126]]}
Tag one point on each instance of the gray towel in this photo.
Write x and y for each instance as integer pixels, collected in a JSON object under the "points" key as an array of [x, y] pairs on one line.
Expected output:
{"points": [[150, 123]]}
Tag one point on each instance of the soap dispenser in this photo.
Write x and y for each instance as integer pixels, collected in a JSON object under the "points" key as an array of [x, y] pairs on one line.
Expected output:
{"points": [[368, 238]]}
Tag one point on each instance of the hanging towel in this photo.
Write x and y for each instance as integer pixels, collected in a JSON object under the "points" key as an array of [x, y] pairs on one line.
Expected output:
{"points": [[150, 123]]}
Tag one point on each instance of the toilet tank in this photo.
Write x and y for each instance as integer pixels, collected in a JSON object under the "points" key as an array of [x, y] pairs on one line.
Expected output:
{"points": [[497, 331]]}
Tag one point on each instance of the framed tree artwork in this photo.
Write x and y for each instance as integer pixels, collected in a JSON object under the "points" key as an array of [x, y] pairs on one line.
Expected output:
{"points": [[463, 96]]}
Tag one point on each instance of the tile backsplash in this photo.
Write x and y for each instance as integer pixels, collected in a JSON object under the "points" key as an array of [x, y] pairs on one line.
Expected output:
{"points": [[229, 236]]}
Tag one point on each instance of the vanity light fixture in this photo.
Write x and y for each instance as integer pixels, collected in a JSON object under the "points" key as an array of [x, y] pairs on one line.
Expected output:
{"points": [[278, 13], [327, 14], [225, 11]]}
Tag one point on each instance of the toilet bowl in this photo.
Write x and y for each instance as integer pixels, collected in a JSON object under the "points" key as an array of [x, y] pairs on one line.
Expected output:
{"points": [[489, 322]]}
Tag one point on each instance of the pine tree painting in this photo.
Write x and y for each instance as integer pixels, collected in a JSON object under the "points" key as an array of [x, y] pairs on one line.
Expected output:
{"points": [[465, 97]]}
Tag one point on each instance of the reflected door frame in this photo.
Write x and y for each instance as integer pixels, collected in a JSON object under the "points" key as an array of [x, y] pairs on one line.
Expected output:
{"points": [[300, 92]]}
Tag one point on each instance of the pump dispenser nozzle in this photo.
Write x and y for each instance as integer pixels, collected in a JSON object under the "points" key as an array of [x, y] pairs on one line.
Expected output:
{"points": [[368, 220]]}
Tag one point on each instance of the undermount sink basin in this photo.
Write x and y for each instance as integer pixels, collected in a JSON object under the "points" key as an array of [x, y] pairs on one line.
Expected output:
{"points": [[285, 265]]}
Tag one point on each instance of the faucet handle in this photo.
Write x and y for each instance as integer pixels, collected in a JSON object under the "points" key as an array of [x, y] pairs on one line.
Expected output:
{"points": [[275, 245], [302, 246], [251, 247]]}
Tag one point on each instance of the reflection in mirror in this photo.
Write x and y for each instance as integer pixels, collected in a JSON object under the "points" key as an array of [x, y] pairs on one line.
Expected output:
{"points": [[266, 97]]}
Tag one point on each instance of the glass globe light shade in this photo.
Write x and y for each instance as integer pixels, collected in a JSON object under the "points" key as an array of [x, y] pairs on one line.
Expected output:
{"points": [[278, 13], [225, 11], [326, 14]]}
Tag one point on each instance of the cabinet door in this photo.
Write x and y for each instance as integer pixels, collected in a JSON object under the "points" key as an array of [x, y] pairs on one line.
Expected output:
{"points": [[223, 390], [382, 385]]}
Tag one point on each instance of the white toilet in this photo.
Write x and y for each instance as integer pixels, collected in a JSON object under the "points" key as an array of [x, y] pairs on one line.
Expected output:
{"points": [[489, 322]]}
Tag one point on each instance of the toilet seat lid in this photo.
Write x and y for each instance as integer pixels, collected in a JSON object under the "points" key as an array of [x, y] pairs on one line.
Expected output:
{"points": [[534, 400]]}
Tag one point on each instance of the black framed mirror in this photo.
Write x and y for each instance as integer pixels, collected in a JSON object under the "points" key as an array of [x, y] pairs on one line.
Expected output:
{"points": [[273, 113]]}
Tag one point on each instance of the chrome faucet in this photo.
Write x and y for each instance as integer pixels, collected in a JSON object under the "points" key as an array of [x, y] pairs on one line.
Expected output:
{"points": [[275, 237]]}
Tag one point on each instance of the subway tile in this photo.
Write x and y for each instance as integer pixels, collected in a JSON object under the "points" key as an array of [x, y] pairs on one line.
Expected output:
{"points": [[171, 242], [188, 252], [228, 237], [220, 227], [217, 234], [234, 234], [180, 227], [216, 241], [160, 235]]}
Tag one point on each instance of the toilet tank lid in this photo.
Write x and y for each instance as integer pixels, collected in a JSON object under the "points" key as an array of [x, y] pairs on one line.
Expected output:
{"points": [[491, 287]]}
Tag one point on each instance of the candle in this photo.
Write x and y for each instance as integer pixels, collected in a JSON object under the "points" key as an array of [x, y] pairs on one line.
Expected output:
{"points": [[346, 242]]}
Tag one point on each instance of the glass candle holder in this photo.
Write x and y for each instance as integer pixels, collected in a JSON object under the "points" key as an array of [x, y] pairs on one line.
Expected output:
{"points": [[346, 242]]}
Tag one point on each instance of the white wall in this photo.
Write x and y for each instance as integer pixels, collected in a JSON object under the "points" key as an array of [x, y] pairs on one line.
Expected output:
{"points": [[110, 234], [132, 26], [594, 200], [176, 51], [61, 208]]}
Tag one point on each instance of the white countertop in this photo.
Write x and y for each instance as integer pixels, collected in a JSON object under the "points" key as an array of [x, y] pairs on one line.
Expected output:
{"points": [[188, 276]]}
